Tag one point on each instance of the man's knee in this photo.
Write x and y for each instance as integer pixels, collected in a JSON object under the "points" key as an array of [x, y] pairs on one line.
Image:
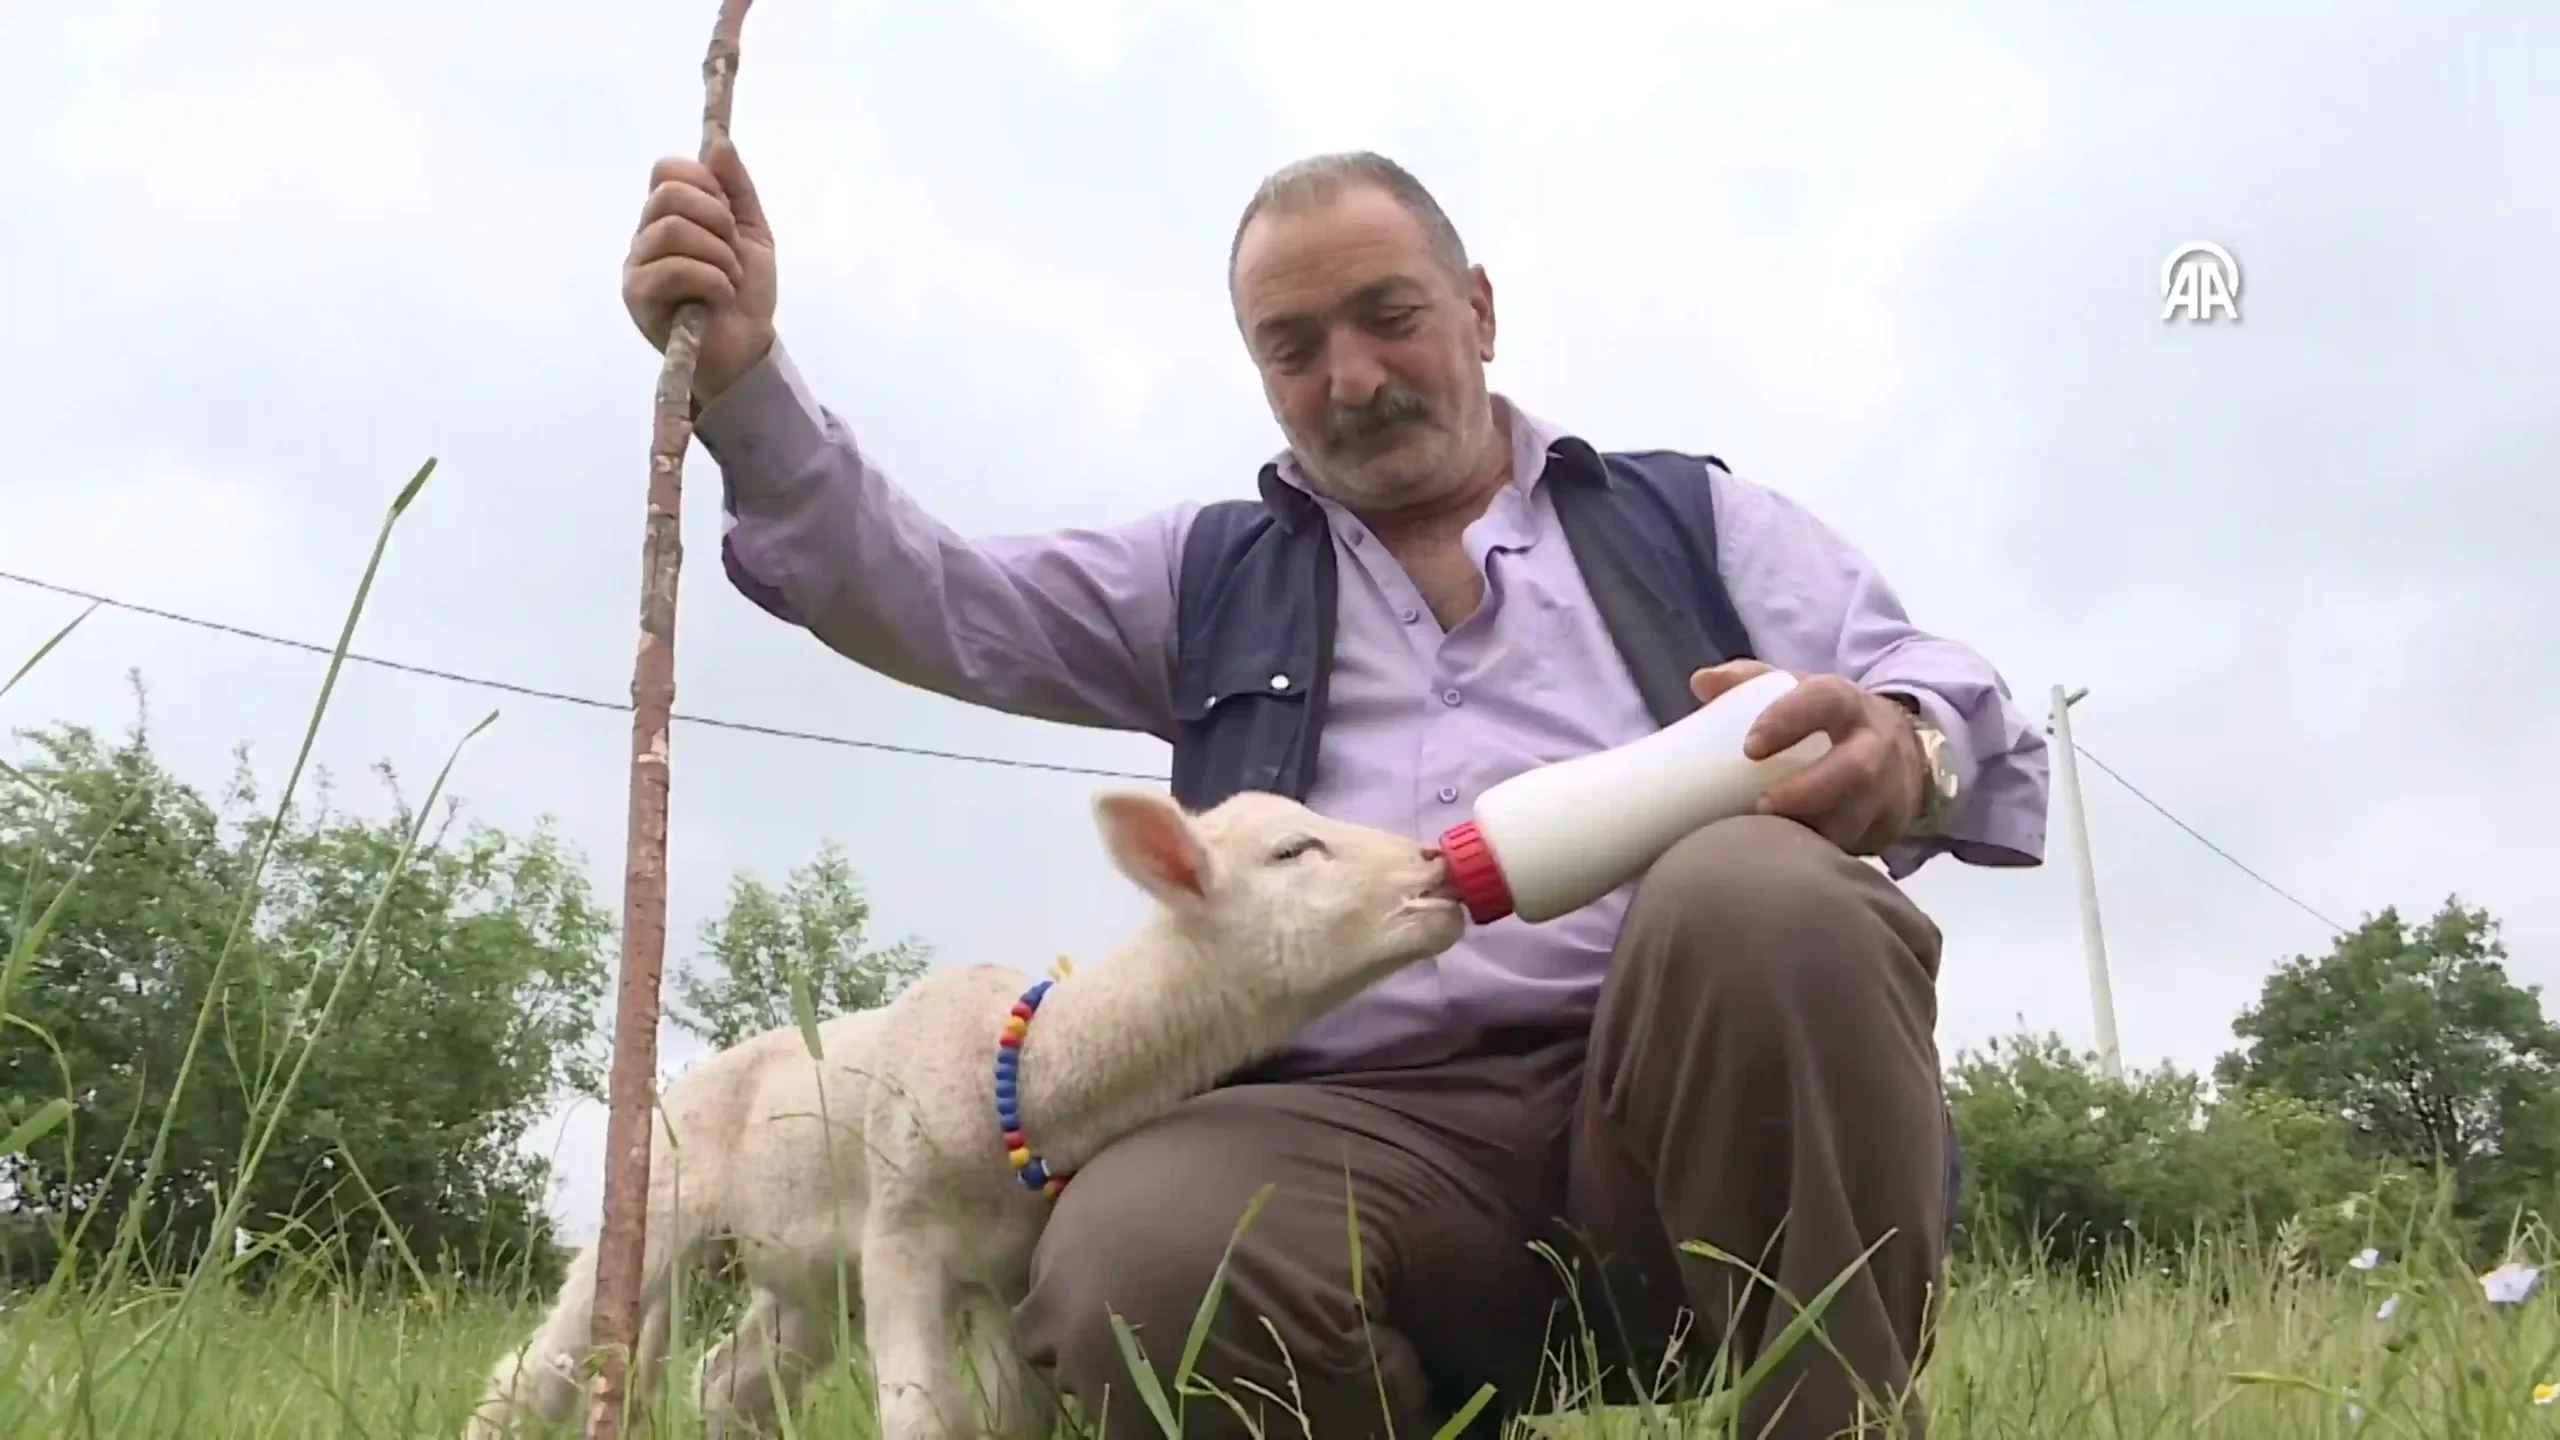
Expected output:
{"points": [[1129, 1240], [1141, 1234], [1761, 910]]}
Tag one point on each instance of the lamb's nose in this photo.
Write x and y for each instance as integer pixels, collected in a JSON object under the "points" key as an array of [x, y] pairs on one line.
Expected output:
{"points": [[1430, 852]]}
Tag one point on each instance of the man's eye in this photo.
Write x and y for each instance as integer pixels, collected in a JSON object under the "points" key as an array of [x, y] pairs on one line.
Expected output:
{"points": [[1397, 321]]}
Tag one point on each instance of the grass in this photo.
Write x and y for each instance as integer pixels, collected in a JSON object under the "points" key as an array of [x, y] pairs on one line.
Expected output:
{"points": [[2211, 1347]]}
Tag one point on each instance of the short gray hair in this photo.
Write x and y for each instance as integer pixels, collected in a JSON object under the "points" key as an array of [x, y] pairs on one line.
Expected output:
{"points": [[1320, 178]]}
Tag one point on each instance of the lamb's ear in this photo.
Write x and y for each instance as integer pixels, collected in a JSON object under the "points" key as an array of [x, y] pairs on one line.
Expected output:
{"points": [[1152, 842]]}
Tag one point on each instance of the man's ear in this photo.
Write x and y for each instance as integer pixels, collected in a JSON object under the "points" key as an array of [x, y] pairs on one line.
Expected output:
{"points": [[1480, 300], [1152, 842]]}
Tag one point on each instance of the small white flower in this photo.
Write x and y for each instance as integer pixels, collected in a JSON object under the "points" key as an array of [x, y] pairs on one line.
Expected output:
{"points": [[2510, 1283], [2366, 1260], [2390, 1307]]}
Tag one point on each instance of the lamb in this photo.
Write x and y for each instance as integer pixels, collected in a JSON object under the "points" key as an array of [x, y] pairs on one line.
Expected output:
{"points": [[1267, 915]]}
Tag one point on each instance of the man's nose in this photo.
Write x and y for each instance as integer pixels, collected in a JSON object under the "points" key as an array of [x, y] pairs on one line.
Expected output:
{"points": [[1356, 375]]}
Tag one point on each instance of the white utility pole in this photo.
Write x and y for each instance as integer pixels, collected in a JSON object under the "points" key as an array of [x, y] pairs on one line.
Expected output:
{"points": [[2101, 994]]}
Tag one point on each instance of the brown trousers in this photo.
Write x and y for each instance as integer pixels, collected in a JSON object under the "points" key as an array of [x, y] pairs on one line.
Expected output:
{"points": [[1762, 1075]]}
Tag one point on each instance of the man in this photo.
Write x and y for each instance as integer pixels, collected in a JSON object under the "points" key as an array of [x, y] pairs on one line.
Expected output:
{"points": [[1433, 590]]}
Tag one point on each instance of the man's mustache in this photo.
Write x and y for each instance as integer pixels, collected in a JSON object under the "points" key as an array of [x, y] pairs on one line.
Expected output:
{"points": [[1393, 406]]}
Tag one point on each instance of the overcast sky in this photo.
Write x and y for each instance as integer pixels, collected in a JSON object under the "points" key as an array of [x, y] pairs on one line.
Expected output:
{"points": [[1903, 265]]}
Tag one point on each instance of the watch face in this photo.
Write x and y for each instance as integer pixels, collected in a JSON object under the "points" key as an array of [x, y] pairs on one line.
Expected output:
{"points": [[1942, 776]]}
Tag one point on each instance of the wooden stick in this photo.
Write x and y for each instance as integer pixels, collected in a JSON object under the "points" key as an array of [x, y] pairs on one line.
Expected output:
{"points": [[623, 1241]]}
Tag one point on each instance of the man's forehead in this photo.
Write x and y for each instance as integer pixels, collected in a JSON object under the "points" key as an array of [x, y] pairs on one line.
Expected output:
{"points": [[1327, 251], [1276, 308]]}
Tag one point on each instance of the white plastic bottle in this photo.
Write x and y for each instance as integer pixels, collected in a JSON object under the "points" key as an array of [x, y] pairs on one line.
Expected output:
{"points": [[1554, 839]]}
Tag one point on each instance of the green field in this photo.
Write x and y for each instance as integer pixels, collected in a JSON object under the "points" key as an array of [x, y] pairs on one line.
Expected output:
{"points": [[2237, 1350]]}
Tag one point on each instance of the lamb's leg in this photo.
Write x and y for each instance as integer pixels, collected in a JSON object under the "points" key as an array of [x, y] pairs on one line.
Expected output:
{"points": [[540, 1380], [715, 1383], [909, 1304], [999, 1382], [543, 1380], [645, 1378], [758, 1369]]}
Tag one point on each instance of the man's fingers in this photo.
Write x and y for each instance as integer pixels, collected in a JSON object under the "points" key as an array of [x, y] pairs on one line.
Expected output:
{"points": [[670, 282], [1709, 683], [682, 170], [1824, 703], [677, 237], [677, 200], [741, 189], [1830, 787], [1818, 702]]}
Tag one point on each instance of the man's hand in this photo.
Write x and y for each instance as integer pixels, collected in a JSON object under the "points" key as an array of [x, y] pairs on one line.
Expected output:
{"points": [[1868, 790], [703, 237]]}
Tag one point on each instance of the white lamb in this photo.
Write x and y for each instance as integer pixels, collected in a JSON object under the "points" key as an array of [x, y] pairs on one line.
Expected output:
{"points": [[1268, 915]]}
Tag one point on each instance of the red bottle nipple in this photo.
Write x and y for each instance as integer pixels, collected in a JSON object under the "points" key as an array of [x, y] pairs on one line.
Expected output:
{"points": [[1475, 874]]}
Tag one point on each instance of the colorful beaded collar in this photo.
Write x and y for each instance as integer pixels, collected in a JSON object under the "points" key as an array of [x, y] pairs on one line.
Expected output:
{"points": [[1033, 1170]]}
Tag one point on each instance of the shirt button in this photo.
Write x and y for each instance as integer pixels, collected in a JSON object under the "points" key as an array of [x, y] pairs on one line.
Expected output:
{"points": [[1356, 537], [1448, 794], [1412, 615], [1279, 682], [1448, 697]]}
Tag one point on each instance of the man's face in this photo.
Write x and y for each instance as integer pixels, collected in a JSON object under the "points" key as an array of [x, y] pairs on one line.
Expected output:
{"points": [[1372, 354]]}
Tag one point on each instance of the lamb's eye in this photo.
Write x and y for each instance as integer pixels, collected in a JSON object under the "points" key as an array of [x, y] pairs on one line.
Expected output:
{"points": [[1296, 848]]}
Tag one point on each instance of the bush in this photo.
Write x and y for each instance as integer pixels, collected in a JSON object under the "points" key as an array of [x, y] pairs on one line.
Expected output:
{"points": [[2063, 1163]]}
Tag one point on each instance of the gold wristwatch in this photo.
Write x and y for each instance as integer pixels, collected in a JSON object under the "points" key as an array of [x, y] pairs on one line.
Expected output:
{"points": [[1939, 784]]}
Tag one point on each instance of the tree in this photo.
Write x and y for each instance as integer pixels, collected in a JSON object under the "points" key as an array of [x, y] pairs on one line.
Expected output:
{"points": [[2062, 1160], [467, 1011], [810, 932], [102, 1009], [2420, 1042], [472, 1008]]}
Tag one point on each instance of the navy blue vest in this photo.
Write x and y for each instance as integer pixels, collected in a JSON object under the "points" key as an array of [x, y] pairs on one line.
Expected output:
{"points": [[1259, 595], [1254, 644]]}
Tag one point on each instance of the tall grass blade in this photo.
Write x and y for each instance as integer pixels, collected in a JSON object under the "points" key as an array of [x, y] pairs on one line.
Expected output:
{"points": [[45, 1121], [46, 648]]}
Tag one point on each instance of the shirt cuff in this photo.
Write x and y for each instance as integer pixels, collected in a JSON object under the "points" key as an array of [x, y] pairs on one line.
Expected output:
{"points": [[1962, 831], [1941, 715], [767, 432]]}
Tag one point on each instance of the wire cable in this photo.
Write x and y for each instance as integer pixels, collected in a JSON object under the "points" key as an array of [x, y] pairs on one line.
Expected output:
{"points": [[749, 727], [712, 722], [2136, 792]]}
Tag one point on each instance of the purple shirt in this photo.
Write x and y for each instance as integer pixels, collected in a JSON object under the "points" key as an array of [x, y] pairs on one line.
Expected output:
{"points": [[1077, 626]]}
